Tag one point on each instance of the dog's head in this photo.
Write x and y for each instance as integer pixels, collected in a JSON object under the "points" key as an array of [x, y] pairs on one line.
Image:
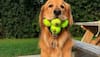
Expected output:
{"points": [[55, 9]]}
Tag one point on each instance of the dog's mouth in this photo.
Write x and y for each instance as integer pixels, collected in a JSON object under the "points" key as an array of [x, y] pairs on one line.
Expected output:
{"points": [[62, 17], [56, 16]]}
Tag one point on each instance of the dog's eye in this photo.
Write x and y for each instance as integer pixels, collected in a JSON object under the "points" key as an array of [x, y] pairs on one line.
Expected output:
{"points": [[50, 5], [62, 6]]}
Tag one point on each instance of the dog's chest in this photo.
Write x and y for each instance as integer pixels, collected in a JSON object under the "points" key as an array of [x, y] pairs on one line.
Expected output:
{"points": [[54, 43], [56, 48], [56, 52]]}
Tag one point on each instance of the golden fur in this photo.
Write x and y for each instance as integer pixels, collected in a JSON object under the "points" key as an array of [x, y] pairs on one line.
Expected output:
{"points": [[62, 45]]}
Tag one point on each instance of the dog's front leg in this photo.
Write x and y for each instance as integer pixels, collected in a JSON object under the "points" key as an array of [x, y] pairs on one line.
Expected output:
{"points": [[67, 53], [45, 53]]}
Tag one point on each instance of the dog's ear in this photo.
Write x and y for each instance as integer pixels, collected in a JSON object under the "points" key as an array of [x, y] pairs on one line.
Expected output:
{"points": [[69, 14], [41, 18], [70, 17]]}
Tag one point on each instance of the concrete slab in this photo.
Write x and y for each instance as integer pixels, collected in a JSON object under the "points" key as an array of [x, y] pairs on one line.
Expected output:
{"points": [[30, 56], [39, 55]]}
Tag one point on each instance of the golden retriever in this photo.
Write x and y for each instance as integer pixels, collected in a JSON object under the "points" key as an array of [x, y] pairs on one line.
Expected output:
{"points": [[62, 45]]}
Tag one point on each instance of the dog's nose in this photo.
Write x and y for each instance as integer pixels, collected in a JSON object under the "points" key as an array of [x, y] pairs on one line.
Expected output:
{"points": [[57, 12]]}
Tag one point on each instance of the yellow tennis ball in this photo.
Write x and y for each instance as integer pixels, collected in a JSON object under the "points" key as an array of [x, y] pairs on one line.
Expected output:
{"points": [[46, 22], [55, 30], [64, 23], [56, 22]]}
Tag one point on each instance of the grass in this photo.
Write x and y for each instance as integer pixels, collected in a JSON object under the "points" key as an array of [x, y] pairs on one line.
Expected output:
{"points": [[18, 47], [77, 38]]}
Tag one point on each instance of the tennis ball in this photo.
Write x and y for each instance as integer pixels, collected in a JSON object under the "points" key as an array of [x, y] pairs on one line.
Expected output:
{"points": [[46, 22], [56, 22], [64, 23], [55, 30]]}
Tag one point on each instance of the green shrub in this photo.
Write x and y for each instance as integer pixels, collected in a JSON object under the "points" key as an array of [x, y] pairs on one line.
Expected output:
{"points": [[85, 10], [19, 18]]}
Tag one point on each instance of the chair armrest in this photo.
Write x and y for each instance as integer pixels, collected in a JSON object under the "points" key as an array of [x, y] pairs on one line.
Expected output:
{"points": [[87, 48]]}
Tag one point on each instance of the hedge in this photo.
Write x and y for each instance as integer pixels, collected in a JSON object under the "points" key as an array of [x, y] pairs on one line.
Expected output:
{"points": [[19, 18]]}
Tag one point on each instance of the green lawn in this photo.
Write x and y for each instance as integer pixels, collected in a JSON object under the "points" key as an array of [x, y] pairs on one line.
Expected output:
{"points": [[16, 47], [77, 38]]}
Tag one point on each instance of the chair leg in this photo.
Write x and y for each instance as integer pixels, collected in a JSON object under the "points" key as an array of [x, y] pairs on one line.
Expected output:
{"points": [[87, 36]]}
